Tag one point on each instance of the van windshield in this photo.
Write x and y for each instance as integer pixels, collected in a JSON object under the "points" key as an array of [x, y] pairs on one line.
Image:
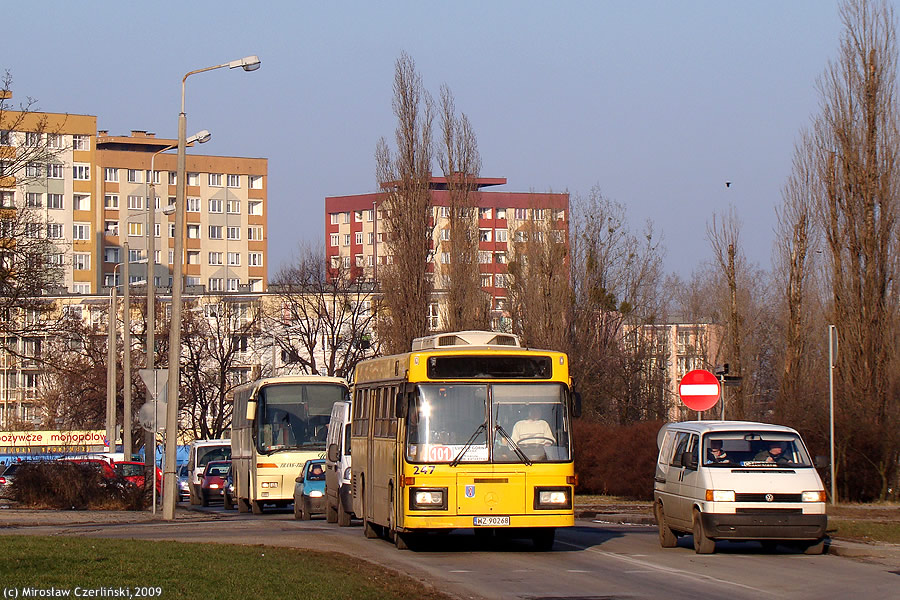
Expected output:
{"points": [[754, 449]]}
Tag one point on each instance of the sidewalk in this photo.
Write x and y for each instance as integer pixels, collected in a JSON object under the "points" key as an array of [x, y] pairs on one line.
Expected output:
{"points": [[14, 517]]}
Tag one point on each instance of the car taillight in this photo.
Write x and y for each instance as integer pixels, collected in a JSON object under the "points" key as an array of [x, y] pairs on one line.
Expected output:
{"points": [[2, 480]]}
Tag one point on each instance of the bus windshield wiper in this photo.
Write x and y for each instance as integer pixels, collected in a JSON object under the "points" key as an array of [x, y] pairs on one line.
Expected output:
{"points": [[465, 448], [514, 445]]}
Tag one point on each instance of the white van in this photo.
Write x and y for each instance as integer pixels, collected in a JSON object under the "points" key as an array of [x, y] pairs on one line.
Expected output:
{"points": [[736, 480], [200, 453], [338, 492]]}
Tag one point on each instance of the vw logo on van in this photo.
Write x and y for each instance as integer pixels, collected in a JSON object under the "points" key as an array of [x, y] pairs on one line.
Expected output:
{"points": [[770, 497]]}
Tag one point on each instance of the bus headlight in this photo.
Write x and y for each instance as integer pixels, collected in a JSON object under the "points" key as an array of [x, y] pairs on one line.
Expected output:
{"points": [[813, 496], [428, 498], [552, 498]]}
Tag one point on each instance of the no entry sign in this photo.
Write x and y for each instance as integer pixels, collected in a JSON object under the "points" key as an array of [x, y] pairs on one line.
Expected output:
{"points": [[699, 390]]}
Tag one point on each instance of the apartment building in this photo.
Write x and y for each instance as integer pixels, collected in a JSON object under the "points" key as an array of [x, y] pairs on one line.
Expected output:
{"points": [[354, 232], [225, 224]]}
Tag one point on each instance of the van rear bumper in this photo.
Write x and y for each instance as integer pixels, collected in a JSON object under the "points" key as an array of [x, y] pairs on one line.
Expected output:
{"points": [[764, 526]]}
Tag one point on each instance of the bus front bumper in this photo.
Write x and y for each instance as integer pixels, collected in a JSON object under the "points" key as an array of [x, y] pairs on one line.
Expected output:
{"points": [[425, 522]]}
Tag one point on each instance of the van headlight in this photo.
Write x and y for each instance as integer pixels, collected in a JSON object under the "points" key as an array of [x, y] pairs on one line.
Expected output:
{"points": [[720, 495], [548, 498], [428, 498], [818, 496]]}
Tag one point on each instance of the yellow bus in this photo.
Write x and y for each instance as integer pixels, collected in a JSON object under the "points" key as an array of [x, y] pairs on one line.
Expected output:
{"points": [[277, 425], [467, 431]]}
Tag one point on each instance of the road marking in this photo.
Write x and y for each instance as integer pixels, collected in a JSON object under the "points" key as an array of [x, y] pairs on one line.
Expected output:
{"points": [[576, 571], [459, 571], [670, 570]]}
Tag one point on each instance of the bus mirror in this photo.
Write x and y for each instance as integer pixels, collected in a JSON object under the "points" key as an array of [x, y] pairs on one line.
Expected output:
{"points": [[402, 406], [251, 411], [333, 452], [576, 404]]}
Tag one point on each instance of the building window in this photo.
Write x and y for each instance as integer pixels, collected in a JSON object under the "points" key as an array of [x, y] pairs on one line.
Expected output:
{"points": [[55, 259], [111, 228], [255, 259], [335, 218], [5, 138], [81, 288], [81, 202], [33, 170], [193, 231], [256, 285], [55, 231], [486, 281], [54, 200], [134, 176], [370, 238], [358, 216], [254, 208], [500, 258], [81, 231], [521, 236], [111, 202], [346, 239], [171, 231], [359, 238], [215, 180], [55, 171], [345, 262], [234, 259], [215, 206], [255, 234], [154, 177], [233, 207], [234, 181], [81, 261], [173, 177], [215, 232], [484, 235], [432, 317], [135, 229], [136, 202], [484, 213], [32, 138], [521, 214], [255, 182], [7, 200], [335, 239], [192, 205], [500, 235], [135, 255], [537, 214], [445, 258], [111, 255], [233, 233], [193, 178], [500, 280], [445, 235], [484, 258], [80, 142], [346, 217], [34, 200], [215, 284], [34, 230], [193, 257], [234, 285], [215, 258]]}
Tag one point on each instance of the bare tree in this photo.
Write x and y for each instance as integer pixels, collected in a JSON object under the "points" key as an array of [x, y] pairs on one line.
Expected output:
{"points": [[467, 306], [857, 148], [404, 177], [325, 311], [539, 290], [615, 294]]}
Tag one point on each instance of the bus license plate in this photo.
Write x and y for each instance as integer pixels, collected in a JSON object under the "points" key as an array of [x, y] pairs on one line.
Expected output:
{"points": [[491, 521]]}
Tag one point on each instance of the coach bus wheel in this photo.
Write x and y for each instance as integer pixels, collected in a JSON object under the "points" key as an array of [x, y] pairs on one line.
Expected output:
{"points": [[243, 505], [256, 507], [331, 513]]}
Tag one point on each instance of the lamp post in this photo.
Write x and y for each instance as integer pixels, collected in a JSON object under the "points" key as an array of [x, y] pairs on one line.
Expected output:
{"points": [[248, 63], [111, 361], [200, 137]]}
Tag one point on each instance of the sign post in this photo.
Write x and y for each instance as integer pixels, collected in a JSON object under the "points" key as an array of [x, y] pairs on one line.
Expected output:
{"points": [[699, 390], [153, 413]]}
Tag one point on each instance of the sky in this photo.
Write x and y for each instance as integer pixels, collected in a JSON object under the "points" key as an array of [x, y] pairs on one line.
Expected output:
{"points": [[655, 103]]}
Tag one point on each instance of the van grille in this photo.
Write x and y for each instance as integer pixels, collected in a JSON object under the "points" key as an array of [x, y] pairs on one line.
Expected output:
{"points": [[763, 497]]}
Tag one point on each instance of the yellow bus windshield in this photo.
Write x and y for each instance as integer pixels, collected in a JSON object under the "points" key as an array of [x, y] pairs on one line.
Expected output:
{"points": [[488, 423]]}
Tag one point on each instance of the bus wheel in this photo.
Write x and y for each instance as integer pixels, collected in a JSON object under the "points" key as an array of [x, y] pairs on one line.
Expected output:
{"points": [[405, 541], [369, 529], [543, 538], [343, 517], [256, 507], [243, 505], [331, 513]]}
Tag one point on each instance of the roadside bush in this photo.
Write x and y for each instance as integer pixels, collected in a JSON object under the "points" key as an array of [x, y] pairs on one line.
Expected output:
{"points": [[616, 461], [71, 485]]}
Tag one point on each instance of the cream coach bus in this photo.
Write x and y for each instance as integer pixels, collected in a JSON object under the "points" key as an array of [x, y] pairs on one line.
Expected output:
{"points": [[467, 431], [277, 425]]}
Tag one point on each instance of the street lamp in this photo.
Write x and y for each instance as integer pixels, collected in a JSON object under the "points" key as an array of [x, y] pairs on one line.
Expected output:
{"points": [[200, 137], [248, 63]]}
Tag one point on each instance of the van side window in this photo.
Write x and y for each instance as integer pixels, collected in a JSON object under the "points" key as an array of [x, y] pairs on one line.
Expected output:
{"points": [[665, 452], [681, 446]]}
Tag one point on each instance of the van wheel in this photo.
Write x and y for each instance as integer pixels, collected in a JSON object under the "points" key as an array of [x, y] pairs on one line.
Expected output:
{"points": [[256, 507], [815, 547], [667, 538], [702, 544], [331, 513], [343, 517]]}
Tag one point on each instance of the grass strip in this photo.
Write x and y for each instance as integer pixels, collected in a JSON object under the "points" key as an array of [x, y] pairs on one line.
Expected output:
{"points": [[864, 530], [202, 571]]}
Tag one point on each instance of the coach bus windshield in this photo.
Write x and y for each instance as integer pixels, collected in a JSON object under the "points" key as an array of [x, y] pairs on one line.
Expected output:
{"points": [[293, 416], [501, 423]]}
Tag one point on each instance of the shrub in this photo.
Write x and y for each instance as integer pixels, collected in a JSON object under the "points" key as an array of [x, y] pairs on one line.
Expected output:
{"points": [[616, 460], [66, 484]]}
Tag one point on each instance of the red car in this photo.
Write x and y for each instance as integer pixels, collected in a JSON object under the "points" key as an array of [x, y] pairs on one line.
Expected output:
{"points": [[212, 482], [104, 466], [133, 472]]}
